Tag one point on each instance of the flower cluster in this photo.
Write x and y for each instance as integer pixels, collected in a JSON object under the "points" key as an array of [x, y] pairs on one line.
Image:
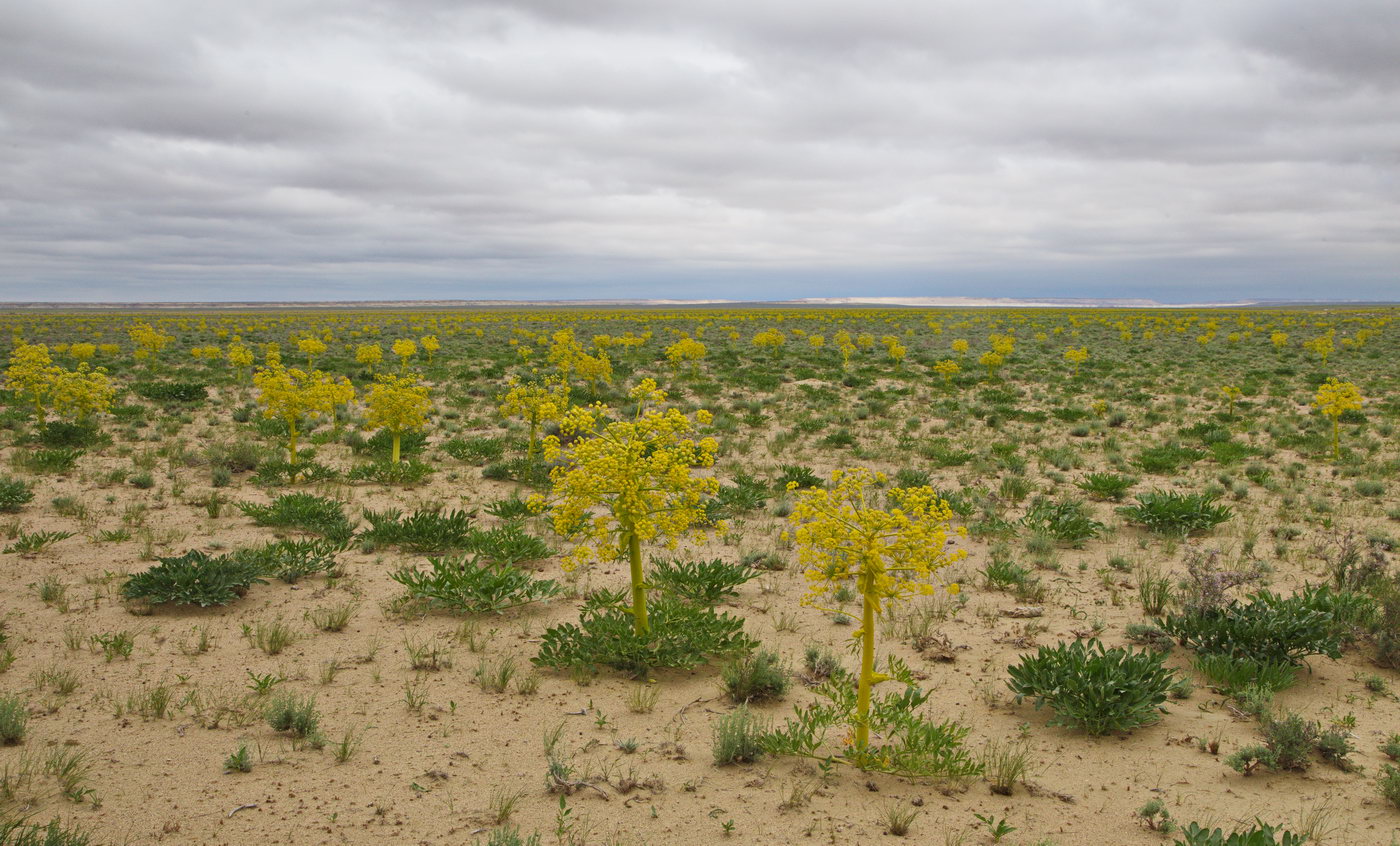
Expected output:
{"points": [[398, 403]]}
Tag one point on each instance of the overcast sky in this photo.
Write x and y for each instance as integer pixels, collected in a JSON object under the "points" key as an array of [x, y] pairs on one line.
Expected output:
{"points": [[747, 149]]}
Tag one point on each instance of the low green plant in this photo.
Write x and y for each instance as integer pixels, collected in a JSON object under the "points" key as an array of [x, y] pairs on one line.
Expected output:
{"points": [[1267, 628], [1388, 783], [508, 508], [14, 495], [475, 450], [1166, 458], [29, 544], [507, 544], [406, 473], [757, 677], [1233, 673], [59, 460], [1288, 744], [1174, 513], [424, 531], [195, 578], [272, 637], [21, 832], [1093, 688], [1258, 834], [296, 716], [1067, 521], [240, 761], [14, 718], [738, 737], [909, 744], [681, 635], [292, 560], [303, 512], [468, 586], [704, 583]]}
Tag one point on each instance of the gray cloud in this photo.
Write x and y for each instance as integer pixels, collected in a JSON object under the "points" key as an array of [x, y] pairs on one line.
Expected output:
{"points": [[159, 150]]}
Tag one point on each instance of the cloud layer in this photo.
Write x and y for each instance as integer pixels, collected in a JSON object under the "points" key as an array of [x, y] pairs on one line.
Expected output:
{"points": [[153, 149]]}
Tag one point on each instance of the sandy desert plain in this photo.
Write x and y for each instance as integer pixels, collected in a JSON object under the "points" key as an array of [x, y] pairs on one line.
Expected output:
{"points": [[1157, 540]]}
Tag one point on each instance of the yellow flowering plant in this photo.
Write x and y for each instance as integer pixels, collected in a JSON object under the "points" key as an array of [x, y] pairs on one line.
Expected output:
{"points": [[947, 368], [31, 374], [993, 362], [398, 404], [536, 403], [1077, 356], [1232, 393], [311, 348], [149, 341], [78, 394], [290, 395], [431, 345], [625, 483], [405, 349], [889, 554], [686, 349], [369, 355], [1335, 398]]}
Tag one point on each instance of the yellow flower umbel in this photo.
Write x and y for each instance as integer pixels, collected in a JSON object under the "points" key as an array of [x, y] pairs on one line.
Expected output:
{"points": [[889, 554], [398, 403], [1077, 356], [535, 403], [430, 345], [1335, 398], [1321, 346], [290, 395], [960, 347], [629, 482]]}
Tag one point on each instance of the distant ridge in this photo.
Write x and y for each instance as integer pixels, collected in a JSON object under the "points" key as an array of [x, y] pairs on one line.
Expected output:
{"points": [[886, 302]]}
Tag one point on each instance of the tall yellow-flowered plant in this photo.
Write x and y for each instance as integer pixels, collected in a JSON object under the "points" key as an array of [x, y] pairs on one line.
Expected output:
{"points": [[31, 374], [1077, 356], [536, 403], [889, 554], [79, 394], [311, 348], [398, 404], [629, 482], [405, 350], [369, 355], [1232, 393], [686, 349], [1335, 398], [431, 345], [290, 395], [149, 341], [947, 368]]}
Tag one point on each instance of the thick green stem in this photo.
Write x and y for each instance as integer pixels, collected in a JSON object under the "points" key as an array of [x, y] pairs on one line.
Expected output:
{"points": [[1336, 437], [397, 437], [867, 676], [292, 443], [639, 588]]}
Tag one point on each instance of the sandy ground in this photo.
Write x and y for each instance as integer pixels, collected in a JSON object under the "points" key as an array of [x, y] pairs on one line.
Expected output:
{"points": [[431, 775]]}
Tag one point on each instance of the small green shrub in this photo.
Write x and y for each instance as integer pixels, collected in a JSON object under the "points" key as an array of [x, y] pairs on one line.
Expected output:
{"points": [[681, 636], [1112, 486], [423, 531], [508, 544], [1067, 521], [407, 472], [1166, 458], [171, 392], [466, 586], [1234, 673], [62, 433], [195, 578], [292, 560], [1257, 835], [476, 450], [381, 444], [758, 677], [1172, 513], [738, 737], [1099, 690], [24, 833], [1266, 629], [1389, 784], [14, 495], [49, 460], [704, 583], [14, 717], [304, 512], [296, 716]]}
